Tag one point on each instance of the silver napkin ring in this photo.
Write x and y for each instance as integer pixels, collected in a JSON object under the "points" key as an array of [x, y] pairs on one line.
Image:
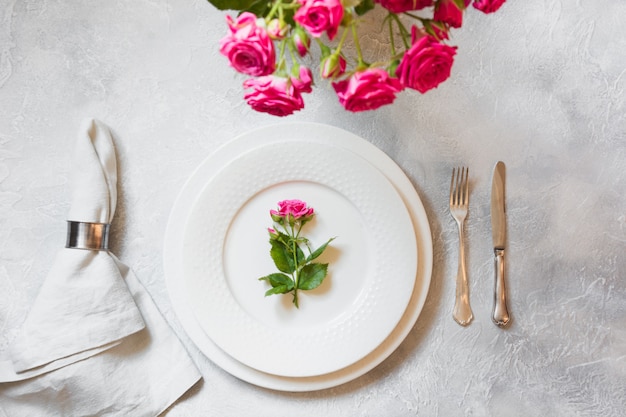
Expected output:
{"points": [[90, 236]]}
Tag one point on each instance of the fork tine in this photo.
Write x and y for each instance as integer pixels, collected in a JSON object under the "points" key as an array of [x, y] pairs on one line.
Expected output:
{"points": [[459, 186], [466, 199], [463, 187], [452, 187]]}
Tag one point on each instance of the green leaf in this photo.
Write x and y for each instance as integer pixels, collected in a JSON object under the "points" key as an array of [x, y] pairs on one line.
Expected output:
{"points": [[319, 250], [235, 4], [258, 8], [300, 256], [460, 4], [312, 275], [282, 257], [281, 289], [288, 17], [364, 7], [276, 279], [281, 283]]}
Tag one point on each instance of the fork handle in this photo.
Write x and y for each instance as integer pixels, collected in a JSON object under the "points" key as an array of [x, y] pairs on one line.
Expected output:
{"points": [[462, 312], [500, 311]]}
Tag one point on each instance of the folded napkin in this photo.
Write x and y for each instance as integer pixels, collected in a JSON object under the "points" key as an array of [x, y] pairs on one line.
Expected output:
{"points": [[93, 342]]}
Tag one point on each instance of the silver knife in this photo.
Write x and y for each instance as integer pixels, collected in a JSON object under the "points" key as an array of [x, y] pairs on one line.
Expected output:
{"points": [[498, 230]]}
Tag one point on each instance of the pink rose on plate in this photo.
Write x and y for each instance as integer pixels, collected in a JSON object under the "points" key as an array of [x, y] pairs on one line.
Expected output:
{"points": [[292, 210], [401, 6], [296, 271], [319, 16], [448, 12], [248, 46], [488, 6], [274, 95], [368, 89], [426, 64]]}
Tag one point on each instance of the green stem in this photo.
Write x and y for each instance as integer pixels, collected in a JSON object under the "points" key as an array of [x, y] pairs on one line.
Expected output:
{"points": [[276, 6], [393, 42], [296, 277], [361, 63], [403, 31], [295, 67], [295, 298], [280, 67], [344, 35], [292, 5], [421, 19]]}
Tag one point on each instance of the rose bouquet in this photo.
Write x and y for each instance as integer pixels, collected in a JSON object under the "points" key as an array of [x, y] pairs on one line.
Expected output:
{"points": [[272, 42]]}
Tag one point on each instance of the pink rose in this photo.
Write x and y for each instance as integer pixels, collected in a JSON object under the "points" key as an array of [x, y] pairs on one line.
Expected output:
{"points": [[277, 29], [248, 47], [301, 41], [426, 64], [401, 6], [333, 66], [297, 209], [367, 90], [273, 95], [319, 16], [448, 12], [304, 82], [488, 6]]}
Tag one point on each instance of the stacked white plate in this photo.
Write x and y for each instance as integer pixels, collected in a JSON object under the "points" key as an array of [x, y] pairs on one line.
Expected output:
{"points": [[216, 248]]}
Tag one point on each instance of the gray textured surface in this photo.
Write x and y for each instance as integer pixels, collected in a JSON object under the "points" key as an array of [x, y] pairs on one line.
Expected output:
{"points": [[539, 85]]}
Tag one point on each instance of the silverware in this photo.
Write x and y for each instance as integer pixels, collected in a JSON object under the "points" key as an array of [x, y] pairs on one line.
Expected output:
{"points": [[498, 229], [459, 202]]}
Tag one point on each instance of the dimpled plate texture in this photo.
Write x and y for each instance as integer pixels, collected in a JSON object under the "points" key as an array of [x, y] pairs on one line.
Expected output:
{"points": [[371, 273]]}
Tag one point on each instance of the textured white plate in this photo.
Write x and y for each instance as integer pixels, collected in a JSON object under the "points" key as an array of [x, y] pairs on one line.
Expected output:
{"points": [[372, 261], [308, 133]]}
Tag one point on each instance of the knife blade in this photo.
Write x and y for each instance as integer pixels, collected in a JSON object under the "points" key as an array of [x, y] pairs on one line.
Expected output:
{"points": [[500, 315]]}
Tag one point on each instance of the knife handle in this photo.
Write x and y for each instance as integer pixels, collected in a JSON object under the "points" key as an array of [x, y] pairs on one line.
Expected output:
{"points": [[500, 311]]}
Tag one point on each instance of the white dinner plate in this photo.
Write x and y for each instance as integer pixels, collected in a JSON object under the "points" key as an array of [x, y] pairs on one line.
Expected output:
{"points": [[372, 260], [260, 317]]}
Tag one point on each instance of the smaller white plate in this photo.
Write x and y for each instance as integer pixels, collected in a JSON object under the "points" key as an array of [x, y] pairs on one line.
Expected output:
{"points": [[372, 262]]}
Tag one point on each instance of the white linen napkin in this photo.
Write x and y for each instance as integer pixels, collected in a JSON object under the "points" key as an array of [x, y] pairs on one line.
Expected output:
{"points": [[93, 342]]}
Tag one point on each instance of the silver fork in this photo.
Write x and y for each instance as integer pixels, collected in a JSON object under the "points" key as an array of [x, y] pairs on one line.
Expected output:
{"points": [[459, 202]]}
